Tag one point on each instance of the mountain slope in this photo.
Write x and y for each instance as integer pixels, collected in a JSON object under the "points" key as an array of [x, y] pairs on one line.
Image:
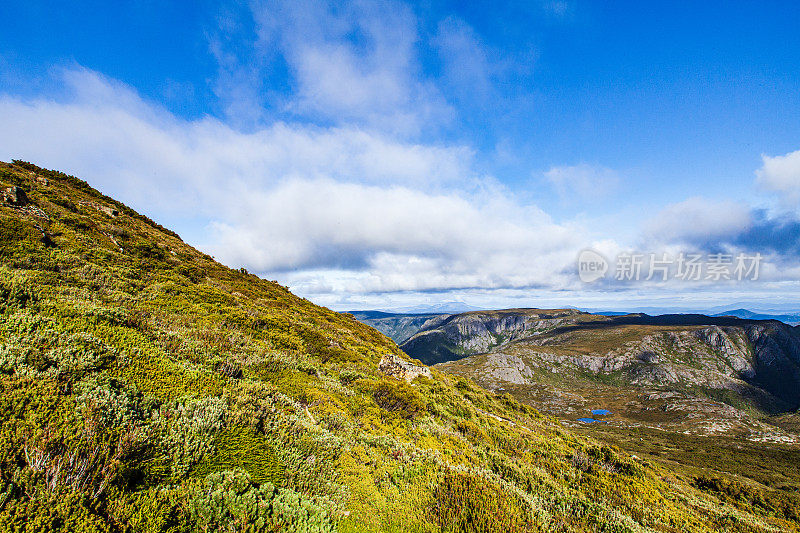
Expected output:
{"points": [[145, 387], [791, 319]]}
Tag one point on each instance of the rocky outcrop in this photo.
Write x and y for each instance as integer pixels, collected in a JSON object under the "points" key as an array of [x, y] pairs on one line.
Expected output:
{"points": [[508, 369], [110, 211], [395, 366], [15, 196]]}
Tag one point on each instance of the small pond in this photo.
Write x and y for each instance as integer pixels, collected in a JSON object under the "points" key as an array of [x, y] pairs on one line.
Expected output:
{"points": [[587, 420], [601, 412]]}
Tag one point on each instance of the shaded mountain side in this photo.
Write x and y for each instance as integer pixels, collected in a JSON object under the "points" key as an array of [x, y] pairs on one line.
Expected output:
{"points": [[457, 336], [396, 326], [145, 387]]}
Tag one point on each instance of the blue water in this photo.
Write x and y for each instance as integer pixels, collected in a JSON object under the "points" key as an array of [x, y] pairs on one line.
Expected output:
{"points": [[601, 412], [587, 420]]}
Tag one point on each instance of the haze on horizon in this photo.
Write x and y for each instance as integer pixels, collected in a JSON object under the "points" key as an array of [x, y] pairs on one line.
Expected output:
{"points": [[386, 155]]}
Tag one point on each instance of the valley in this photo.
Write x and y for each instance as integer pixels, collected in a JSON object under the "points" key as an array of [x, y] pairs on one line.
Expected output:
{"points": [[687, 373], [706, 395]]}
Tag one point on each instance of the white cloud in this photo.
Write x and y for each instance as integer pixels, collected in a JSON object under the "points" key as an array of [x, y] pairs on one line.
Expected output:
{"points": [[405, 239], [355, 62], [102, 126], [781, 174], [698, 220], [346, 209], [582, 181]]}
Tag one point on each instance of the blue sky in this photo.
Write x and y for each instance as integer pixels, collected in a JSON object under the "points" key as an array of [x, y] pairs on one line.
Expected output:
{"points": [[382, 154]]}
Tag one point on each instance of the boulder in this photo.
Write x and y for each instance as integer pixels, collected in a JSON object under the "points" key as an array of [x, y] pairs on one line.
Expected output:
{"points": [[110, 211], [395, 366], [15, 196]]}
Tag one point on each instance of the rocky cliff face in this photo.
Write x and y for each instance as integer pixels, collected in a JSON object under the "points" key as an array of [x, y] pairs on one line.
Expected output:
{"points": [[398, 327], [454, 336], [776, 365]]}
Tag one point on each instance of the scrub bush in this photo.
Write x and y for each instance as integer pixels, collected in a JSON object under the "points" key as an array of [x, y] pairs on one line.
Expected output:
{"points": [[229, 501], [398, 397]]}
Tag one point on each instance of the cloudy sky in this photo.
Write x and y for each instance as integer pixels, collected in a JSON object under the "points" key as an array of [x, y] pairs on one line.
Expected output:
{"points": [[389, 154]]}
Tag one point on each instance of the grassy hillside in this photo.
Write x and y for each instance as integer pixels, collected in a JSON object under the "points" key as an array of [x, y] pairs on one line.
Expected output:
{"points": [[145, 387]]}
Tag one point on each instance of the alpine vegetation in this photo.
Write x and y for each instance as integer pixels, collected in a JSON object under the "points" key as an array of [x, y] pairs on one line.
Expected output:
{"points": [[145, 387]]}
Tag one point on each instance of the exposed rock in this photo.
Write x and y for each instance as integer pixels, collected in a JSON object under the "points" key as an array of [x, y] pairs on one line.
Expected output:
{"points": [[508, 368], [15, 196], [395, 366], [41, 179], [110, 211], [648, 356]]}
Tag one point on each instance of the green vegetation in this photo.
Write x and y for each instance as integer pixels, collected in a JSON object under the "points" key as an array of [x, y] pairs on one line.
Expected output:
{"points": [[145, 387]]}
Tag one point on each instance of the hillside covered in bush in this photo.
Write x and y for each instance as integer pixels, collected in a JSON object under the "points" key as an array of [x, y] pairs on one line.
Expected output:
{"points": [[146, 388]]}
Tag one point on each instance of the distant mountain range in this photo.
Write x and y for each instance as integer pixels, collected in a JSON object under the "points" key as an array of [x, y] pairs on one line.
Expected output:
{"points": [[793, 319], [789, 316], [401, 325]]}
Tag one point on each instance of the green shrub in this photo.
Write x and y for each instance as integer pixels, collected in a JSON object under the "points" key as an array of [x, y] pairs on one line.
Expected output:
{"points": [[111, 402], [466, 503], [58, 512], [192, 273], [746, 497], [187, 431], [34, 347], [66, 203], [229, 501], [244, 449], [399, 397], [18, 238], [15, 292]]}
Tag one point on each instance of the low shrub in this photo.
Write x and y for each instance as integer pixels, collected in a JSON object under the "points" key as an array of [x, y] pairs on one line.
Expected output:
{"points": [[244, 449], [230, 501], [467, 503], [15, 292], [746, 497], [109, 401], [187, 430], [398, 397]]}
